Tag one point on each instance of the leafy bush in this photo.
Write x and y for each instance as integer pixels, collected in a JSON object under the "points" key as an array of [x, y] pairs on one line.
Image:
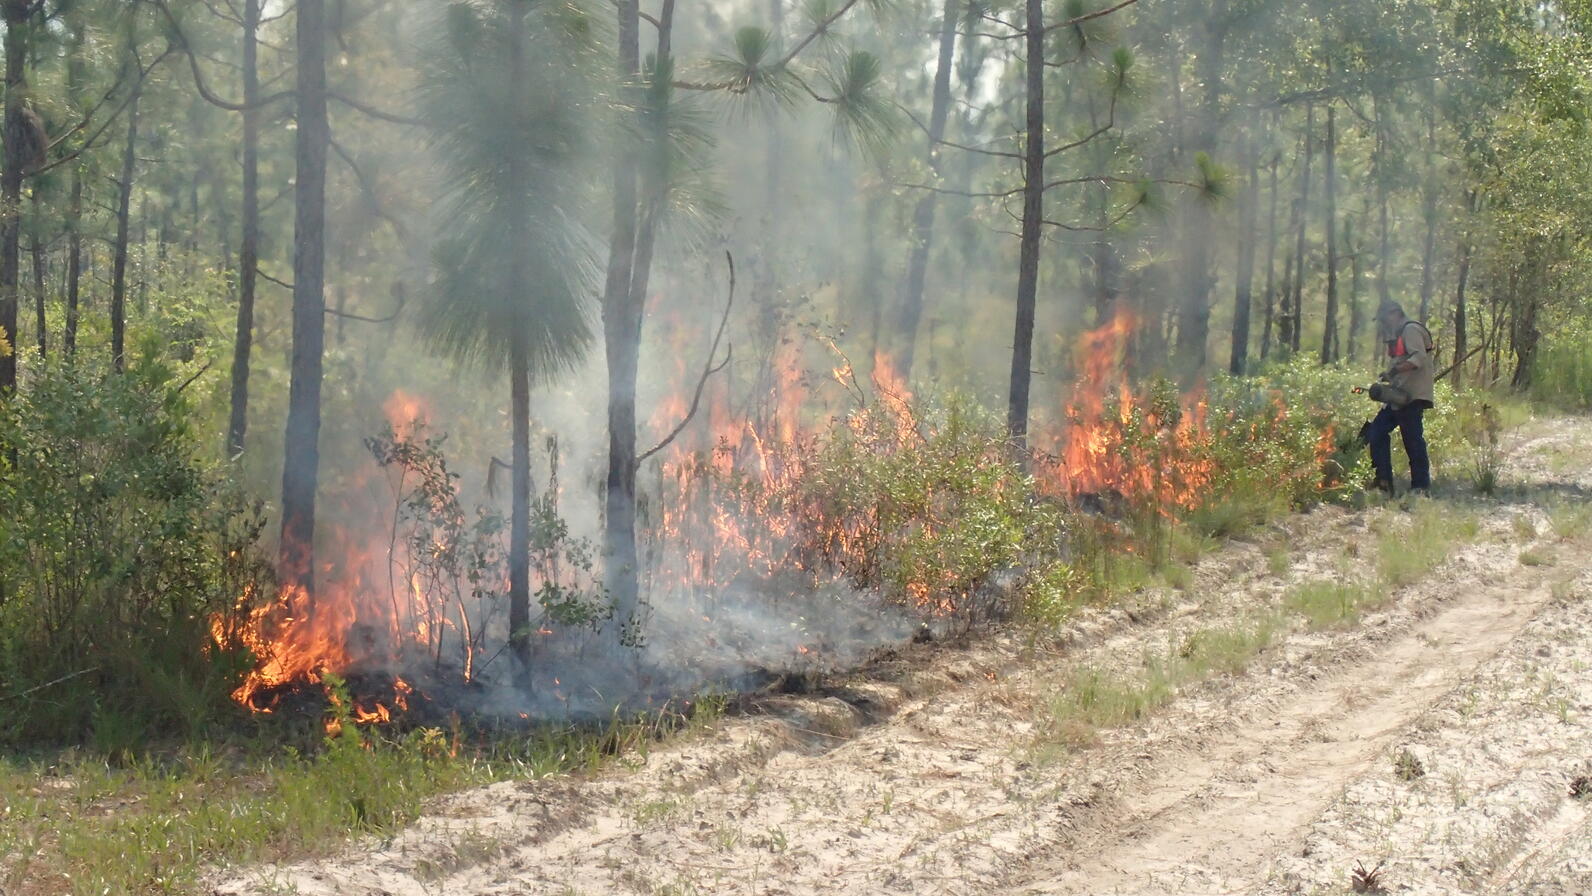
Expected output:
{"points": [[927, 505], [116, 549]]}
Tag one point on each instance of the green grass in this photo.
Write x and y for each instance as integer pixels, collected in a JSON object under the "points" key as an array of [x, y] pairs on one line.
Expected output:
{"points": [[1408, 553], [1090, 699], [76, 824], [1328, 602]]}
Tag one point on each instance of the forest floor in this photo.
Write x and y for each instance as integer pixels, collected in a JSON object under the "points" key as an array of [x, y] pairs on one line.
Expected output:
{"points": [[1403, 686]]}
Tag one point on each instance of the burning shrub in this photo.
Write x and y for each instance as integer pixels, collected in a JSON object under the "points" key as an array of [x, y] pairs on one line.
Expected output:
{"points": [[921, 504], [116, 548], [931, 509]]}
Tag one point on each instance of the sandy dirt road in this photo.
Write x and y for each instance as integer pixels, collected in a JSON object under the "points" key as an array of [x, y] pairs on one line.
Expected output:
{"points": [[1437, 737]]}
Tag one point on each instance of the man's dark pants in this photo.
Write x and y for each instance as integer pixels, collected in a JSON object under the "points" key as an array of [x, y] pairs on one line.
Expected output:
{"points": [[1407, 420]]}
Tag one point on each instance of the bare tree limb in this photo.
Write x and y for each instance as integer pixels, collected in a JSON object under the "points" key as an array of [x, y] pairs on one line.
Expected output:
{"points": [[373, 112], [267, 277], [93, 139], [198, 76], [403, 299], [708, 370]]}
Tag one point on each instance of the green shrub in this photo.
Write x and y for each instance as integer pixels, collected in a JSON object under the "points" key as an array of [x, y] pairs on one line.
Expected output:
{"points": [[925, 504], [117, 547]]}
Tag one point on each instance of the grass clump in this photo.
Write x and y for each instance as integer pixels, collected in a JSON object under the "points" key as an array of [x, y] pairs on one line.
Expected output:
{"points": [[1090, 698], [1326, 603], [1406, 554], [1407, 766]]}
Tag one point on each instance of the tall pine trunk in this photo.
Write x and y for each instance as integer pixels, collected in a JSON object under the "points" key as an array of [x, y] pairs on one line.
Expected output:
{"points": [[1194, 313], [622, 344], [1271, 261], [1384, 288], [36, 249], [1356, 289], [16, 14], [1329, 332], [519, 380], [1238, 359], [1032, 223], [1429, 217], [75, 76], [74, 261], [1296, 313], [301, 453], [124, 198], [1461, 316], [923, 214], [249, 250]]}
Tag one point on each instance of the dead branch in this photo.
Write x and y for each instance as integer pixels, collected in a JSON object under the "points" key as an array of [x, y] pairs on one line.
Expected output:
{"points": [[48, 684], [198, 76], [708, 370], [398, 292], [93, 139]]}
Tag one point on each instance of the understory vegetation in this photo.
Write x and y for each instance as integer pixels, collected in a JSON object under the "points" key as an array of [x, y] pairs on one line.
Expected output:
{"points": [[921, 502]]}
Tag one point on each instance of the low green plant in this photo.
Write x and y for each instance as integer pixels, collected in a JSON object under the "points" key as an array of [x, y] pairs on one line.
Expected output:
{"points": [[118, 547], [1328, 602], [1407, 766], [1406, 554]]}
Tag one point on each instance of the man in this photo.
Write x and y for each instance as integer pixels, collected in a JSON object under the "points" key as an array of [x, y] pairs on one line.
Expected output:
{"points": [[1411, 374]]}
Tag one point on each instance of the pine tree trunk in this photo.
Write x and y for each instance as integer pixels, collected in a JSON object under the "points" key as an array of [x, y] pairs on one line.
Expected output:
{"points": [[36, 248], [249, 250], [16, 14], [1329, 333], [124, 198], [1271, 262], [1356, 289], [1297, 312], [1032, 223], [923, 214], [1194, 314], [1384, 287], [1461, 318], [74, 261], [1238, 359], [1429, 215], [301, 454], [622, 341]]}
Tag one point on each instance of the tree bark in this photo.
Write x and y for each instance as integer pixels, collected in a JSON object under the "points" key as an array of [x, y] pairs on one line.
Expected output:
{"points": [[301, 454], [1297, 312], [1271, 261], [1356, 289], [74, 261], [1329, 333], [1429, 215], [124, 198], [16, 14], [622, 344], [1461, 318], [520, 381], [36, 248], [1238, 359], [923, 214], [1194, 314], [1384, 288], [1032, 223], [249, 250]]}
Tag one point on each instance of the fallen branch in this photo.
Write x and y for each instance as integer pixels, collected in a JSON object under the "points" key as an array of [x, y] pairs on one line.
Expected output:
{"points": [[708, 370], [48, 684]]}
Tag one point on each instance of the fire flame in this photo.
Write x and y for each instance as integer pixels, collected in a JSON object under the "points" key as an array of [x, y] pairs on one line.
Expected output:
{"points": [[1113, 441]]}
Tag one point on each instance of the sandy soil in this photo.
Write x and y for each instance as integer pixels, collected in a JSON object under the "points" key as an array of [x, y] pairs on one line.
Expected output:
{"points": [[1437, 737]]}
